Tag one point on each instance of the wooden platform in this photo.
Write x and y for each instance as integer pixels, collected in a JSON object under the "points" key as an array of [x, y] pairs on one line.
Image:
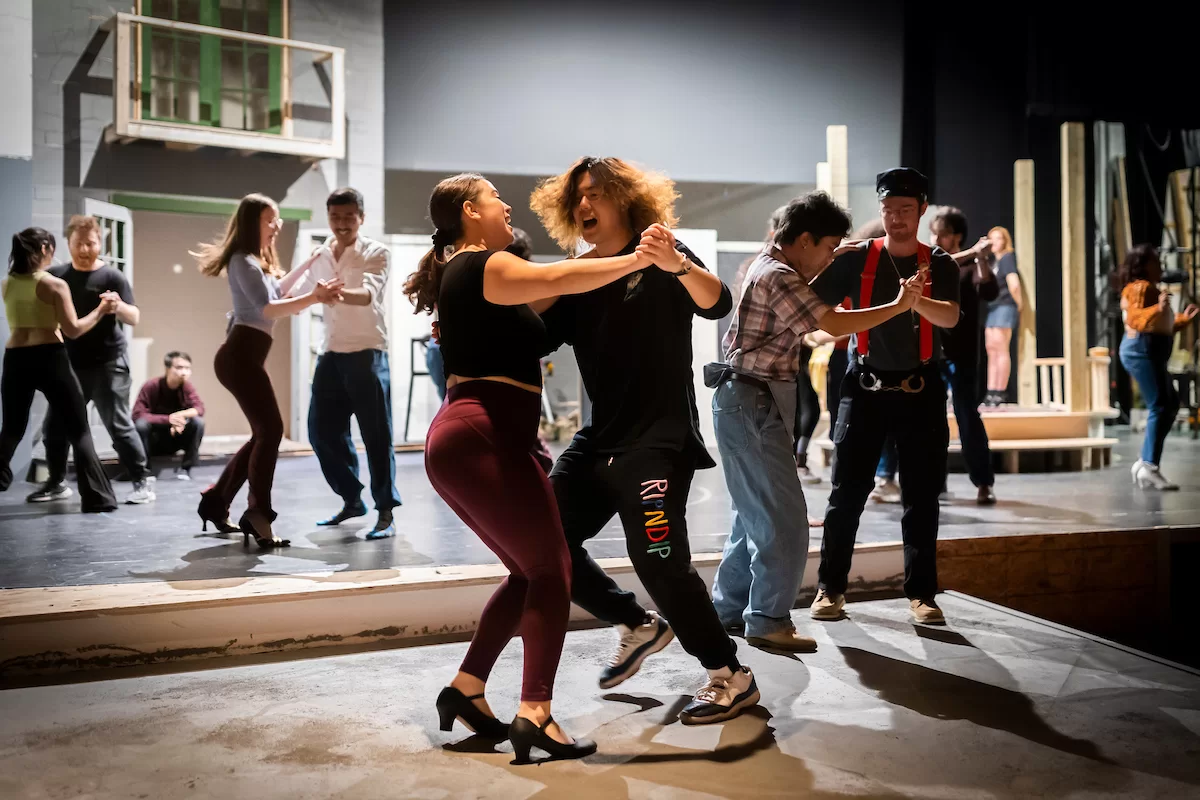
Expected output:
{"points": [[1015, 422], [1053, 439], [1050, 455]]}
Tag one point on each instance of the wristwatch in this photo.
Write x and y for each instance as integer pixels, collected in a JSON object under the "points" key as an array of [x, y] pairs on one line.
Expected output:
{"points": [[685, 269]]}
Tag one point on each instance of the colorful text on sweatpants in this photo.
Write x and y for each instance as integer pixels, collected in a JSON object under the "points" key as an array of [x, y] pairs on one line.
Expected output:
{"points": [[658, 527]]}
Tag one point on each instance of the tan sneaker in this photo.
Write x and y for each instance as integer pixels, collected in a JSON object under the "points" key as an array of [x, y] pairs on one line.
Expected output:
{"points": [[787, 640], [926, 611], [886, 491], [827, 606]]}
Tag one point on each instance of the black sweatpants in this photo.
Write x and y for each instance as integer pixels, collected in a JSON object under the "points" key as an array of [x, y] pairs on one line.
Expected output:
{"points": [[648, 489], [45, 368], [918, 424]]}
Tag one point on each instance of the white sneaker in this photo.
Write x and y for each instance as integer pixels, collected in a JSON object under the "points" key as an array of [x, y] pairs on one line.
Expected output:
{"points": [[885, 491], [726, 695], [143, 492], [1147, 476], [635, 645]]}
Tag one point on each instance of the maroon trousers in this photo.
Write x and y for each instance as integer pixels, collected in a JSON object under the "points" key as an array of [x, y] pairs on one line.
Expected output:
{"points": [[240, 365], [479, 458]]}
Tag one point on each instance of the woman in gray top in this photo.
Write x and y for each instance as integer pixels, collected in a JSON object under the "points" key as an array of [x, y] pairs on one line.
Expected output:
{"points": [[247, 253]]}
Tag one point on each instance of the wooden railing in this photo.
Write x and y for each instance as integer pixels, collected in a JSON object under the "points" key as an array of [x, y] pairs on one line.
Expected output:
{"points": [[1052, 380], [319, 134]]}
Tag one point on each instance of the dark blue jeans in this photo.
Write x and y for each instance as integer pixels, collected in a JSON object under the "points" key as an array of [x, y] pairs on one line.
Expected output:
{"points": [[1145, 358], [357, 384], [888, 461], [964, 387]]}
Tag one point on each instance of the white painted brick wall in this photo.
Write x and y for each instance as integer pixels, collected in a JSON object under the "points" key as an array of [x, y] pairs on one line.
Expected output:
{"points": [[16, 90]]}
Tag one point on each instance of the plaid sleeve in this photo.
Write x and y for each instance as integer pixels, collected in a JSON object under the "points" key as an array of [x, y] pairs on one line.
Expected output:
{"points": [[795, 303]]}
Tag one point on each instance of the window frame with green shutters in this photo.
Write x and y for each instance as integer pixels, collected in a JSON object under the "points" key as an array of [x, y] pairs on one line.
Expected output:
{"points": [[207, 80]]}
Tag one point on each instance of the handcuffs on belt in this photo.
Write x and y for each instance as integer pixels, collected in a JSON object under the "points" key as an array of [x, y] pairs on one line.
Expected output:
{"points": [[876, 384]]}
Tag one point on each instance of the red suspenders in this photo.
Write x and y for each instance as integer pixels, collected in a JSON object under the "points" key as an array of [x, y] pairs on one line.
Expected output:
{"points": [[868, 284]]}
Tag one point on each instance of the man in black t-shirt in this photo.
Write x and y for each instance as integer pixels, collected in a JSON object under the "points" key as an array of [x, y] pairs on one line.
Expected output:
{"points": [[100, 359], [894, 387], [636, 455]]}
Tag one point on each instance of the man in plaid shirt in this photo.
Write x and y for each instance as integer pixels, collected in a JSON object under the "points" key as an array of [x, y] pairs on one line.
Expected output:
{"points": [[754, 410]]}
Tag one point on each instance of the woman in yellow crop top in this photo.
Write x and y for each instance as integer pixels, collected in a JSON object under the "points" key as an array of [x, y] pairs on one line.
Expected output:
{"points": [[1150, 329], [38, 306]]}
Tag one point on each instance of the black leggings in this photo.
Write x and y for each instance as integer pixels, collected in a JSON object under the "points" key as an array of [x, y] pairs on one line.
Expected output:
{"points": [[478, 455], [808, 408], [45, 368]]}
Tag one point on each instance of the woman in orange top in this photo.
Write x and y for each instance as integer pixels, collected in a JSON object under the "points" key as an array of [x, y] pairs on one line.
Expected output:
{"points": [[1150, 328]]}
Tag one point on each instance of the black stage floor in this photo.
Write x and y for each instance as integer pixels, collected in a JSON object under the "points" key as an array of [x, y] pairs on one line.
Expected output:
{"points": [[53, 545]]}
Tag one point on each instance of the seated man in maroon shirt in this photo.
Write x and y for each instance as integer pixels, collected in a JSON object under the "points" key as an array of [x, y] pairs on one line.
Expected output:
{"points": [[169, 414]]}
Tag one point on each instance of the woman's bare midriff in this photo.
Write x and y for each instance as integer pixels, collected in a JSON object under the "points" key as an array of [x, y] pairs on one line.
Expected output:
{"points": [[454, 380], [32, 337]]}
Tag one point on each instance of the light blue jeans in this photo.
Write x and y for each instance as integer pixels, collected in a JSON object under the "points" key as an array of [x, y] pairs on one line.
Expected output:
{"points": [[763, 562]]}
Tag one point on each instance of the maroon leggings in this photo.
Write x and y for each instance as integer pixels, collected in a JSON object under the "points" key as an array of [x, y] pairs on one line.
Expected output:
{"points": [[478, 457], [241, 368]]}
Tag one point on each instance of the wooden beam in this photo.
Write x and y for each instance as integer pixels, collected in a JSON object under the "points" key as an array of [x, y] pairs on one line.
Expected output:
{"points": [[1074, 266], [837, 155], [1023, 241], [1122, 230], [824, 178]]}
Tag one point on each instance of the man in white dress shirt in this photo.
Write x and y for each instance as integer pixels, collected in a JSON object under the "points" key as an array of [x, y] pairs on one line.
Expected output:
{"points": [[352, 375]]}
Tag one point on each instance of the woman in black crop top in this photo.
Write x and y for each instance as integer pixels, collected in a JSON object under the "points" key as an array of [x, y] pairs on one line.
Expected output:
{"points": [[478, 450]]}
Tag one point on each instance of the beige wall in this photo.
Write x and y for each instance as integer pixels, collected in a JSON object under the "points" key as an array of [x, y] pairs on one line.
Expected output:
{"points": [[186, 311]]}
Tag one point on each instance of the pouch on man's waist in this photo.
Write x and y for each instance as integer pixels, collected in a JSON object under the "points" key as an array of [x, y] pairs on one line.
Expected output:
{"points": [[714, 373]]}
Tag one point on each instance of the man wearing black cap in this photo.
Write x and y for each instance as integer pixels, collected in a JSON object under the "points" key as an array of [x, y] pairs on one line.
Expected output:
{"points": [[894, 387]]}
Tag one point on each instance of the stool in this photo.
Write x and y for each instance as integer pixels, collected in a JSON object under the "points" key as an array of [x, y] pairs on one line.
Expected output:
{"points": [[423, 342]]}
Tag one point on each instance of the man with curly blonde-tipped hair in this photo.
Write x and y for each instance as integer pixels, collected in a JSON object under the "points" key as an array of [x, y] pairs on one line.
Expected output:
{"points": [[637, 453]]}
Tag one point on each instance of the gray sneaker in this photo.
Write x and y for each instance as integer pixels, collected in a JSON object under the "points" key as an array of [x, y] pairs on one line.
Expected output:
{"points": [[49, 492], [143, 492]]}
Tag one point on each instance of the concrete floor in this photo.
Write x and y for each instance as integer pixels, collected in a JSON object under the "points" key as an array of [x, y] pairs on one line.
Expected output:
{"points": [[52, 545], [995, 705]]}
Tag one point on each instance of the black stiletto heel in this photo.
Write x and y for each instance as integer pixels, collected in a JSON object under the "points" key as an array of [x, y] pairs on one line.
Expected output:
{"points": [[254, 523], [453, 704], [222, 526], [217, 516], [525, 735]]}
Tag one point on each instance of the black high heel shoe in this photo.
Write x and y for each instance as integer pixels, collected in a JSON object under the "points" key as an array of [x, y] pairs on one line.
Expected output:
{"points": [[255, 523], [222, 526], [208, 512], [525, 734], [453, 704]]}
